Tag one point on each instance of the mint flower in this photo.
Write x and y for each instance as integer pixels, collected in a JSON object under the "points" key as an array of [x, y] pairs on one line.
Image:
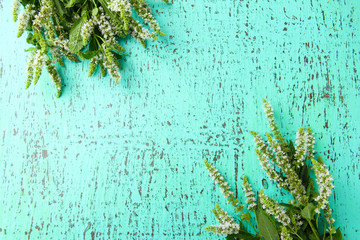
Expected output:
{"points": [[105, 27], [111, 64], [300, 148], [296, 221], [15, 9], [63, 45], [309, 142], [54, 75], [144, 11], [304, 146], [284, 164], [249, 194], [24, 18], [40, 58], [86, 30], [56, 56], [56, 29], [44, 15], [93, 63], [285, 235], [273, 209], [30, 70], [119, 6], [140, 33], [227, 224], [278, 153], [269, 111], [264, 156], [224, 186], [324, 181], [293, 181], [328, 218]]}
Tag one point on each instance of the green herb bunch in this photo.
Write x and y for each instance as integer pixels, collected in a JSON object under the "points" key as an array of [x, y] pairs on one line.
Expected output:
{"points": [[79, 30], [289, 166]]}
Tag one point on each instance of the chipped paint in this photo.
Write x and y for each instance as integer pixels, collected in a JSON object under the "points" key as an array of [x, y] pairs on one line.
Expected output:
{"points": [[125, 161]]}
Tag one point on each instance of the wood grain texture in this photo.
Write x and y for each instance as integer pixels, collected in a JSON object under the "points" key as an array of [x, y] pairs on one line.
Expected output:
{"points": [[125, 161]]}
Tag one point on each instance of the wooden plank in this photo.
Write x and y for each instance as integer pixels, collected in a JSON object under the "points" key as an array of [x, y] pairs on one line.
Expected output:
{"points": [[125, 161]]}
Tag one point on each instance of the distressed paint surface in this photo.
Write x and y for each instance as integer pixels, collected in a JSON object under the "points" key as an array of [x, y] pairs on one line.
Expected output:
{"points": [[125, 161]]}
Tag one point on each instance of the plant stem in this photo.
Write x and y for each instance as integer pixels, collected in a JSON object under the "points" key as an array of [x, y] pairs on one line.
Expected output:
{"points": [[256, 222], [317, 221], [295, 233], [253, 227], [314, 231], [251, 223]]}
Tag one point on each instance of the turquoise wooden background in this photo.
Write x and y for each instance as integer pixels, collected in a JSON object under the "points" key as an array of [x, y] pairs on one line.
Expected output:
{"points": [[126, 161]]}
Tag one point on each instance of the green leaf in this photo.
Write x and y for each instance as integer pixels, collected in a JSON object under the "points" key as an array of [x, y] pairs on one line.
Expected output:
{"points": [[60, 62], [110, 13], [245, 217], [84, 11], [320, 160], [312, 236], [302, 235], [242, 226], [95, 11], [161, 33], [326, 237], [76, 43], [60, 7], [30, 39], [338, 235], [80, 54], [304, 175], [239, 208], [73, 2], [118, 48], [118, 56], [242, 235], [24, 2], [304, 226], [90, 54], [267, 228], [102, 68], [30, 49], [308, 212], [286, 205], [291, 150], [310, 188], [93, 46]]}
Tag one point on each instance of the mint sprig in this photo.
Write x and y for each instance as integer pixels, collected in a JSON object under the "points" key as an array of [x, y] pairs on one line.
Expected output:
{"points": [[79, 30], [289, 167]]}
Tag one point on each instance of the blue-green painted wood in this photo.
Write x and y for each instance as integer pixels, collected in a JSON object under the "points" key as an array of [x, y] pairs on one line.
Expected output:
{"points": [[127, 160]]}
